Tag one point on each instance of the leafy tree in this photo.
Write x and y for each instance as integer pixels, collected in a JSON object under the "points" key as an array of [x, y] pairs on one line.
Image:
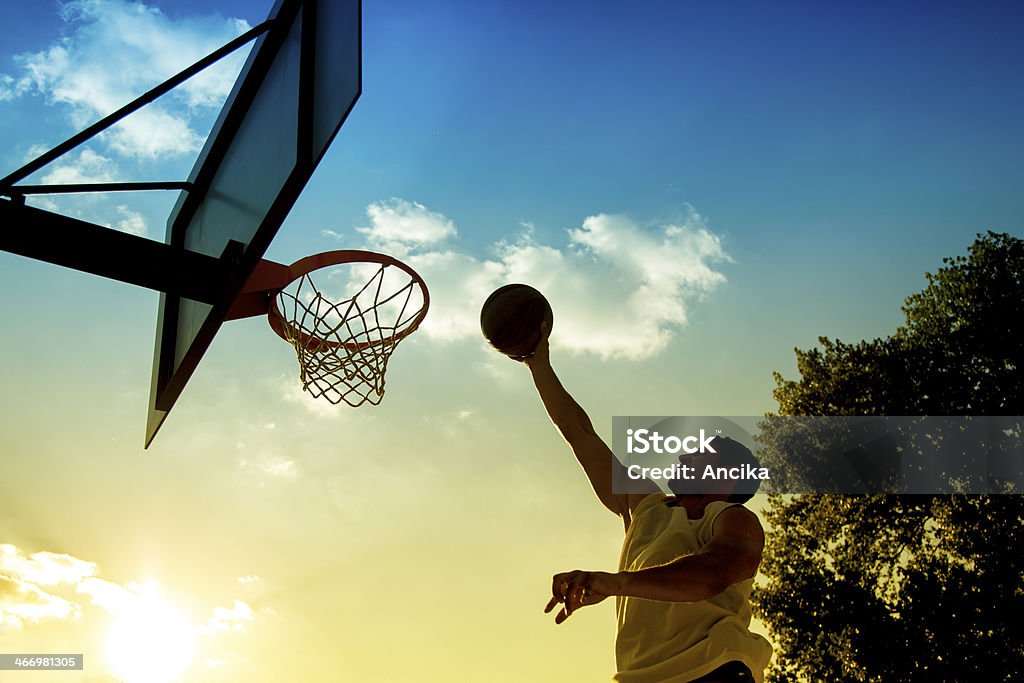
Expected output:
{"points": [[916, 587]]}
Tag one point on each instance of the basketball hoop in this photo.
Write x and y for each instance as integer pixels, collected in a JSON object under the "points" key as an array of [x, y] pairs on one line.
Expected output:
{"points": [[345, 325]]}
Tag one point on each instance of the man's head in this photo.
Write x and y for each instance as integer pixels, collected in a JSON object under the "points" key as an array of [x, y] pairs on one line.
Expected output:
{"points": [[729, 455]]}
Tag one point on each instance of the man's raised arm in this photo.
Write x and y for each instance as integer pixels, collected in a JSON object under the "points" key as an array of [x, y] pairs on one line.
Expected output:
{"points": [[574, 424]]}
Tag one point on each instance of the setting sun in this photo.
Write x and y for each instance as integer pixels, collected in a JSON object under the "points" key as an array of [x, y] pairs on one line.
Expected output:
{"points": [[150, 643]]}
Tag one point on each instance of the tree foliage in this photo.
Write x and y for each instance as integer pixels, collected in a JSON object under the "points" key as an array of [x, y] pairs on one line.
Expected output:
{"points": [[908, 588]]}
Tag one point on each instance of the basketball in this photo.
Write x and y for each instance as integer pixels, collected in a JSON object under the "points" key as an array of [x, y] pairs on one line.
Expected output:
{"points": [[511, 317]]}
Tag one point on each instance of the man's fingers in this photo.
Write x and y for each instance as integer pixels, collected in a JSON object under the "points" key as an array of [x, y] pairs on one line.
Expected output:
{"points": [[559, 589], [560, 584], [572, 590], [574, 593], [551, 605]]}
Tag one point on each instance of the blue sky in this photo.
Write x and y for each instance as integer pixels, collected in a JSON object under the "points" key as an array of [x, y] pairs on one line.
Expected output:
{"points": [[697, 187]]}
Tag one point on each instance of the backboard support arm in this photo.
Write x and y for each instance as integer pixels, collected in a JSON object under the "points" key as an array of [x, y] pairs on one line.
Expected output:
{"points": [[74, 188], [7, 187], [73, 243]]}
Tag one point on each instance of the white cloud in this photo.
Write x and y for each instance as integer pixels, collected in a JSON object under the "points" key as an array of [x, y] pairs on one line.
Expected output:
{"points": [[399, 226], [88, 166], [618, 289], [152, 134], [24, 601], [22, 578], [43, 568], [457, 282], [34, 150], [7, 88], [292, 392], [279, 466], [112, 597], [115, 50], [130, 221], [21, 602], [234, 618], [259, 457]]}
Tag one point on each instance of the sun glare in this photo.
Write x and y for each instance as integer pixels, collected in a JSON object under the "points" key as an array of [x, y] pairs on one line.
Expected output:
{"points": [[151, 642]]}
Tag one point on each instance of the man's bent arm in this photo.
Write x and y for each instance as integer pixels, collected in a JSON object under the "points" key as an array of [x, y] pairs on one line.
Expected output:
{"points": [[733, 555]]}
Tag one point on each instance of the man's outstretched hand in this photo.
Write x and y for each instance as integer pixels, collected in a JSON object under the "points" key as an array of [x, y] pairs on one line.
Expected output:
{"points": [[577, 589], [540, 354]]}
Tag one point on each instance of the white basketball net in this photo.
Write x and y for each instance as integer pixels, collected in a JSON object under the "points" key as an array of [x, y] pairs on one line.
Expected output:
{"points": [[344, 332]]}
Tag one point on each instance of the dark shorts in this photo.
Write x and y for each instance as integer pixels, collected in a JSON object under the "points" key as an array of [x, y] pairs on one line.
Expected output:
{"points": [[733, 672]]}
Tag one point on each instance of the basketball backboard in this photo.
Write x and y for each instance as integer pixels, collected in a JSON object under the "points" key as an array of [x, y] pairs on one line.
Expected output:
{"points": [[299, 83], [301, 80]]}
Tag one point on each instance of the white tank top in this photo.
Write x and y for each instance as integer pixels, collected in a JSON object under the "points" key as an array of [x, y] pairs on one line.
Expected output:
{"points": [[663, 642]]}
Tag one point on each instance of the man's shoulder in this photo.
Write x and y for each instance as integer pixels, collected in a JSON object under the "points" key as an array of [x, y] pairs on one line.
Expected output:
{"points": [[723, 509], [641, 504], [734, 519]]}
